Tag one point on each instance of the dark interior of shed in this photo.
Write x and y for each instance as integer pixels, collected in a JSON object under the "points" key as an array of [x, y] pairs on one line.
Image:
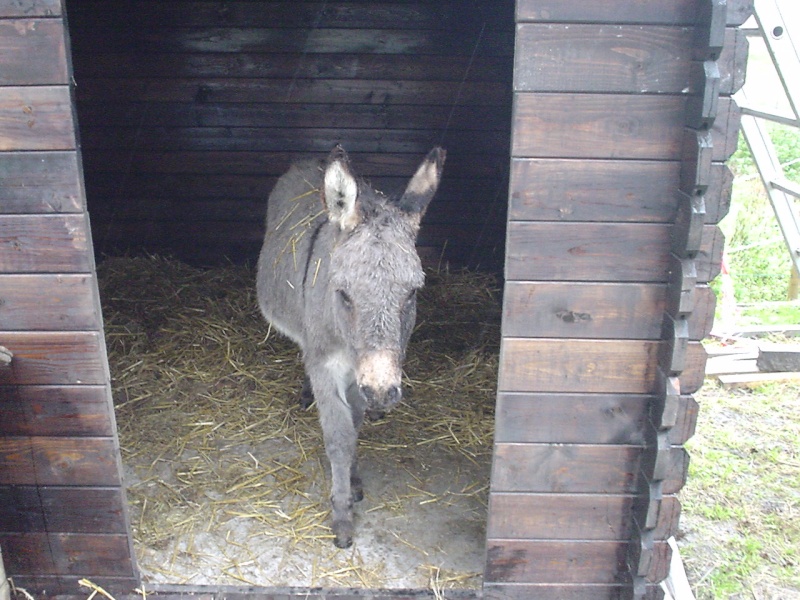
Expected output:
{"points": [[190, 110]]}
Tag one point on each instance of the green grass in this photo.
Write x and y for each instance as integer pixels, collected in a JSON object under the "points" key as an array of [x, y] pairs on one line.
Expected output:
{"points": [[741, 505], [757, 257]]}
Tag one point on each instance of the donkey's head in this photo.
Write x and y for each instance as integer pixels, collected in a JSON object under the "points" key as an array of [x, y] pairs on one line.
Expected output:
{"points": [[375, 271]]}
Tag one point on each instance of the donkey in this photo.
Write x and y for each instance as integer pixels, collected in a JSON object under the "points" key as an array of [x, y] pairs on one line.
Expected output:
{"points": [[338, 274]]}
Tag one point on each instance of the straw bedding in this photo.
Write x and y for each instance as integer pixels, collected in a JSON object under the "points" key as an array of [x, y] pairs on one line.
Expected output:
{"points": [[226, 474]]}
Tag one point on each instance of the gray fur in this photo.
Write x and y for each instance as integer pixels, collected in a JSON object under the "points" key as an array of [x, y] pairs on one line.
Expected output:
{"points": [[338, 274]]}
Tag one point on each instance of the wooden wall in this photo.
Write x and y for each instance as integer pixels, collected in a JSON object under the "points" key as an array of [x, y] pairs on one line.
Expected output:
{"points": [[189, 110], [62, 508], [613, 144]]}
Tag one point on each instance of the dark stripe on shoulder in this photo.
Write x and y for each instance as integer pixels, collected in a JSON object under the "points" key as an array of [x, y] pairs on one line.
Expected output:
{"points": [[314, 236]]}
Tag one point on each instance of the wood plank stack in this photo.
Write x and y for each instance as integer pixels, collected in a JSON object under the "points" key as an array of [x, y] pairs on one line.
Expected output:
{"points": [[754, 363], [621, 126], [62, 507]]}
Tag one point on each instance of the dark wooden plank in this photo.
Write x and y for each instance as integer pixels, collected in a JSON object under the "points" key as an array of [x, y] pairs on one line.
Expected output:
{"points": [[256, 167], [611, 58], [34, 52], [597, 126], [701, 320], [21, 509], [593, 190], [450, 15], [80, 410], [733, 61], [160, 232], [622, 252], [45, 244], [738, 11], [606, 190], [725, 131], [36, 118], [331, 91], [16, 461], [555, 591], [40, 182], [457, 201], [686, 422], [554, 561], [570, 418], [598, 366], [61, 509], [564, 125], [48, 302], [678, 12], [30, 8], [718, 194], [183, 149], [310, 40], [559, 516], [286, 65], [439, 117], [565, 468], [595, 310], [572, 517], [59, 461], [583, 418], [67, 554], [668, 518], [27, 553], [55, 358], [659, 569], [678, 470]]}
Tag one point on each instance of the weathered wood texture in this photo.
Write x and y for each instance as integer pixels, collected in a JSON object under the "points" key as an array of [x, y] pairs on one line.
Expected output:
{"points": [[583, 309], [547, 591], [41, 182], [62, 302], [602, 140], [189, 113], [30, 8], [588, 418], [36, 118], [62, 512], [34, 52], [675, 12]]}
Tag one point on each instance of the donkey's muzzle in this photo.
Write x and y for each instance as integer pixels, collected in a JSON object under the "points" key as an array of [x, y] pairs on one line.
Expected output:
{"points": [[380, 401]]}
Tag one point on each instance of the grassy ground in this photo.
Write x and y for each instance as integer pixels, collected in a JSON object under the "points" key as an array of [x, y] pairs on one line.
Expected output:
{"points": [[741, 507]]}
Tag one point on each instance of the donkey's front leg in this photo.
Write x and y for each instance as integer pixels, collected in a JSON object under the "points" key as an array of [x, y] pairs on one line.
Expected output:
{"points": [[340, 437]]}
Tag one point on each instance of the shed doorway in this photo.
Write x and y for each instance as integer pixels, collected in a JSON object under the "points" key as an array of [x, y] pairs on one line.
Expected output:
{"points": [[188, 112]]}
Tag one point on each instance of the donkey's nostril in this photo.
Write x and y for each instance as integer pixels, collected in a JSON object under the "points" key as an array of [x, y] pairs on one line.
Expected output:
{"points": [[367, 393], [393, 395]]}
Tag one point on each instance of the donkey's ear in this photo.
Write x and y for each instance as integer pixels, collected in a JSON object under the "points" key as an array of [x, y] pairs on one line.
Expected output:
{"points": [[423, 184], [340, 190]]}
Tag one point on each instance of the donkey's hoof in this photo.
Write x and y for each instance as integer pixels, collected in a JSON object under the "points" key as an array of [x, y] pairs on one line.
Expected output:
{"points": [[342, 534]]}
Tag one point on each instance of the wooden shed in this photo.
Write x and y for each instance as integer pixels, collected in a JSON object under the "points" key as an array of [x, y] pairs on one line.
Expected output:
{"points": [[586, 147]]}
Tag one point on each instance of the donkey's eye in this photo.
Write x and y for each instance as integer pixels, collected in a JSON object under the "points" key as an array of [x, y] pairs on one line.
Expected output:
{"points": [[412, 295], [345, 299]]}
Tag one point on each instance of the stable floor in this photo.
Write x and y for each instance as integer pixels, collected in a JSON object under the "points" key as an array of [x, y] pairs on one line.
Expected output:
{"points": [[227, 479]]}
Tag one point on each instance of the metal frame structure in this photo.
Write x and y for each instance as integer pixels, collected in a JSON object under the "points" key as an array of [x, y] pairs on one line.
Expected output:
{"points": [[772, 26]]}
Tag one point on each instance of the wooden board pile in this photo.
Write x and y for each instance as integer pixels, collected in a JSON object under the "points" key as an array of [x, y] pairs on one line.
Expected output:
{"points": [[751, 360]]}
